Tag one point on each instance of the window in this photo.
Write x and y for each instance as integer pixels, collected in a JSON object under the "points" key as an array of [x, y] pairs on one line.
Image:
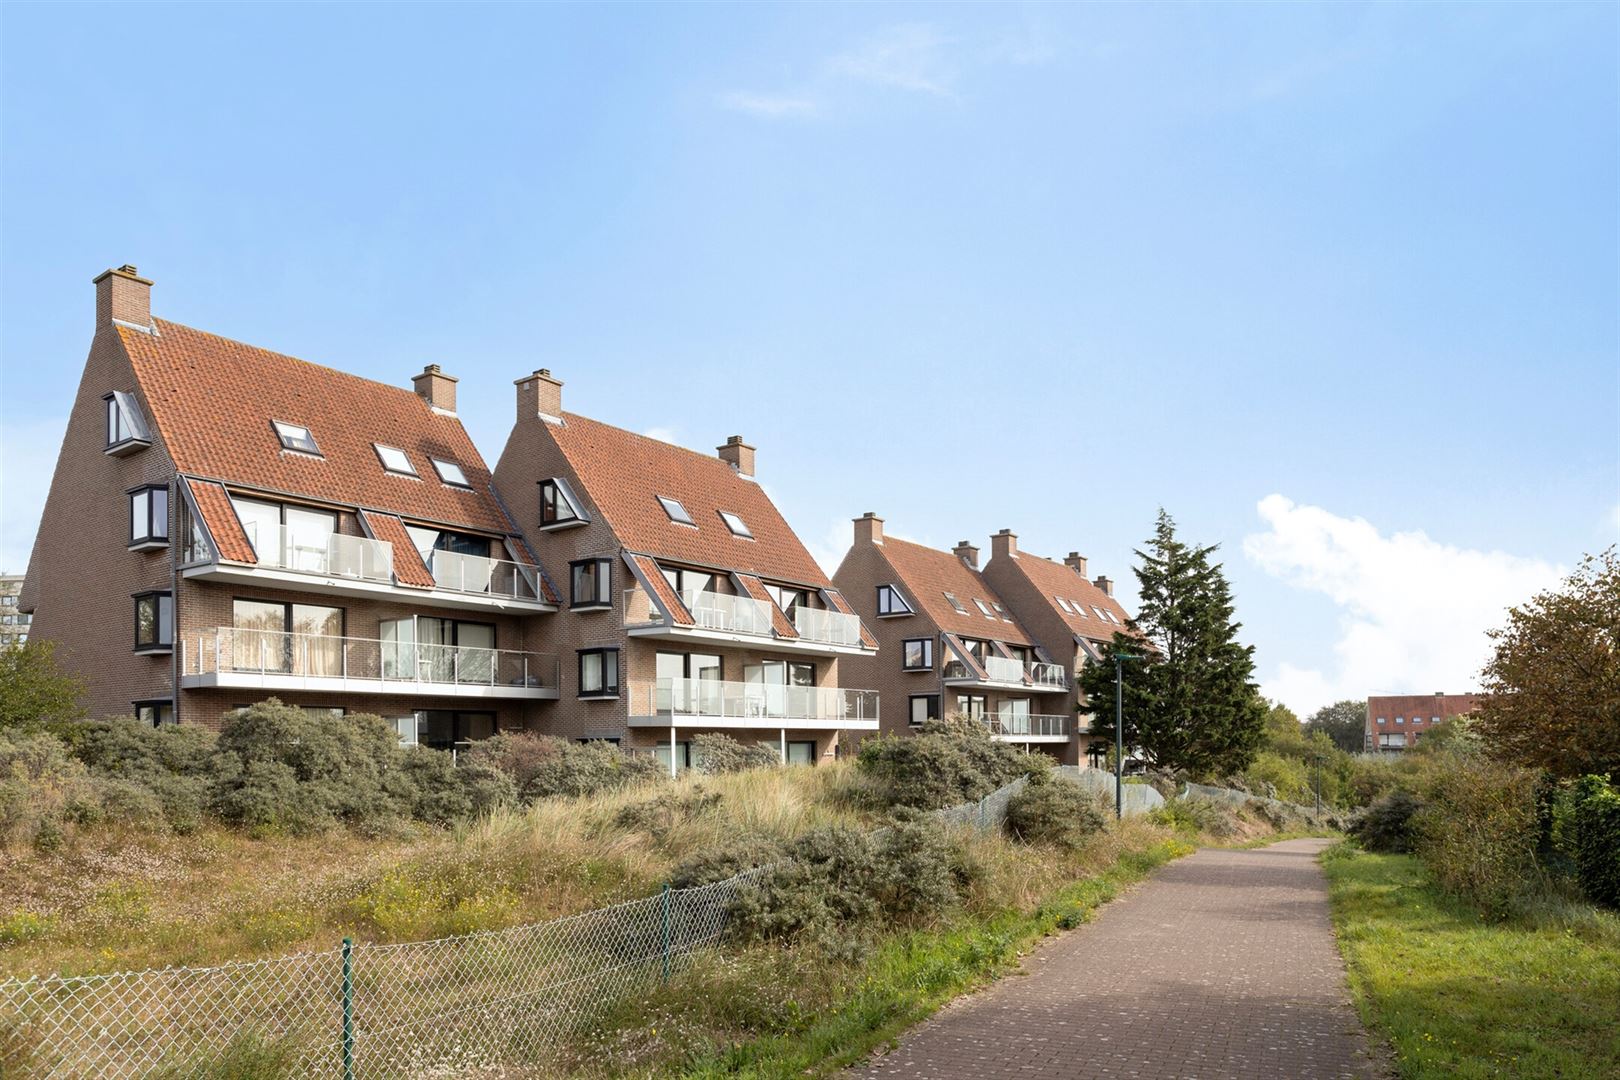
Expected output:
{"points": [[126, 427], [924, 707], [148, 517], [735, 524], [558, 507], [1434, 719], [445, 729], [1064, 604], [955, 603], [1001, 611], [1100, 613], [1381, 720], [394, 460], [984, 609], [154, 713], [917, 654], [1400, 719], [154, 622], [801, 753], [592, 583], [296, 437], [287, 638], [599, 673], [788, 598], [1079, 609], [686, 582], [970, 705], [890, 602], [450, 473], [683, 755], [677, 513]]}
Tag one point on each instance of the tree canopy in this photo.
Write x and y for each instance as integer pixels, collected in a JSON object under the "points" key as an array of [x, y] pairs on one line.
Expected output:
{"points": [[1345, 722], [35, 692]]}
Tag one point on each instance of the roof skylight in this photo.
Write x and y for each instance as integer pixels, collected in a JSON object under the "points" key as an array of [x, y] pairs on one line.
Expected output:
{"points": [[983, 608], [450, 473], [955, 603], [394, 460], [296, 437], [735, 524], [677, 513], [1064, 604]]}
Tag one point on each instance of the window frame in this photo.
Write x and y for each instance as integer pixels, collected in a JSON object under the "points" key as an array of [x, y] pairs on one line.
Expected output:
{"points": [[984, 609], [157, 644], [292, 442], [928, 654], [410, 466], [1064, 604], [559, 490], [735, 524], [439, 467], [932, 712], [893, 591], [956, 603], [604, 693], [685, 516], [122, 411], [157, 705], [150, 539], [603, 598]]}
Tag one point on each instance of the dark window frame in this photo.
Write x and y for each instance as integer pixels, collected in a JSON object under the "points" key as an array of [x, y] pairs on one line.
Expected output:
{"points": [[605, 693], [150, 539], [137, 436], [811, 743], [292, 442], [911, 707], [154, 704], [892, 591], [603, 597], [928, 654], [157, 645], [552, 491]]}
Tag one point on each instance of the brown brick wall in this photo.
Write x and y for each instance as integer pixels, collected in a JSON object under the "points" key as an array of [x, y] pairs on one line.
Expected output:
{"points": [[1416, 710], [1035, 611]]}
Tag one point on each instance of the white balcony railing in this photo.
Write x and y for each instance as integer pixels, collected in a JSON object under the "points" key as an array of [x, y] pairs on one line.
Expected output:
{"points": [[1002, 669], [1048, 675], [478, 574], [733, 614], [1027, 725], [331, 554], [828, 627], [712, 698], [268, 653]]}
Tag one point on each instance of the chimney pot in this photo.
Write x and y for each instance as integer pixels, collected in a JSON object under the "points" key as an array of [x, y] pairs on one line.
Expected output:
{"points": [[1076, 562], [539, 395], [436, 388], [869, 529], [1105, 585], [738, 454], [967, 553], [122, 295], [1004, 545]]}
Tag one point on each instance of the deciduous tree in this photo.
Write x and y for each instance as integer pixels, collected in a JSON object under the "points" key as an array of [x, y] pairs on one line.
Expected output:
{"points": [[1345, 722]]}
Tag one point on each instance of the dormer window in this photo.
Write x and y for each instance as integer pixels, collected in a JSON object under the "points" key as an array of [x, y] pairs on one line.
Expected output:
{"points": [[1064, 604], [984, 609], [677, 513], [296, 437], [126, 427], [394, 460], [735, 524], [558, 507], [955, 603], [890, 602], [450, 473]]}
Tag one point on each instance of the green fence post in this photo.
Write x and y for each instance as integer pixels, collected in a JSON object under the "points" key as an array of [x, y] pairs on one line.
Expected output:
{"points": [[348, 1009], [666, 931]]}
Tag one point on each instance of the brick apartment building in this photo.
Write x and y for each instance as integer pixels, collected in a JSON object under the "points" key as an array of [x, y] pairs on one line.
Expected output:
{"points": [[949, 644], [1069, 616], [13, 622], [690, 604], [1395, 722], [227, 524]]}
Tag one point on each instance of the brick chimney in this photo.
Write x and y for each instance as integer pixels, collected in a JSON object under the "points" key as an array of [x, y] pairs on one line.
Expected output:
{"points": [[539, 395], [738, 454], [436, 388], [869, 529], [1004, 545], [122, 295], [967, 553], [1076, 562], [1105, 585]]}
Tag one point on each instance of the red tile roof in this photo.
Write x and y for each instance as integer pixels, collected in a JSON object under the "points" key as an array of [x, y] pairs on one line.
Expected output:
{"points": [[653, 578], [622, 474], [926, 574], [213, 399], [219, 517], [409, 569], [1057, 579]]}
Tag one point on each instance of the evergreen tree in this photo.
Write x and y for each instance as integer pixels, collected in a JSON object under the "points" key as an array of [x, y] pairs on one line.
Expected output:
{"points": [[1190, 701], [1345, 722]]}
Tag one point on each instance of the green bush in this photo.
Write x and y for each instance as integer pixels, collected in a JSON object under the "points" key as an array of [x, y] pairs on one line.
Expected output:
{"points": [[445, 792], [1052, 811], [945, 763], [41, 786], [542, 766], [1478, 833], [1595, 824], [664, 811], [716, 753], [731, 858], [171, 761], [1386, 825], [1197, 814]]}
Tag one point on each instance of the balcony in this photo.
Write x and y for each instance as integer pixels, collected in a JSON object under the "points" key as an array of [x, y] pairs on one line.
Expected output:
{"points": [[711, 703], [1003, 672], [273, 660], [1028, 727], [336, 564], [742, 620]]}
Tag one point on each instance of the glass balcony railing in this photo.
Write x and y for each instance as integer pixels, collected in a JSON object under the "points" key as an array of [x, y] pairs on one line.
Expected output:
{"points": [[1027, 725], [280, 547], [828, 627], [733, 614], [714, 699], [1002, 669], [477, 574]]}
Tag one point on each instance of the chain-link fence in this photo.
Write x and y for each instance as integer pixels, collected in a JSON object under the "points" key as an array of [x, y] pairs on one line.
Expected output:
{"points": [[498, 998]]}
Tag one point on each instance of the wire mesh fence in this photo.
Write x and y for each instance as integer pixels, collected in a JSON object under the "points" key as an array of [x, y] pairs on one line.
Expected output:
{"points": [[499, 998]]}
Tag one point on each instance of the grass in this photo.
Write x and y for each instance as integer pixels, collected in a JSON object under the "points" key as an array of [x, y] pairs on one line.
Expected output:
{"points": [[1460, 996]]}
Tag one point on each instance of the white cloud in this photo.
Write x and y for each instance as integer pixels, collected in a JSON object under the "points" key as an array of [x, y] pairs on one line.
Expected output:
{"points": [[662, 434], [910, 56], [768, 105], [27, 459], [1414, 611]]}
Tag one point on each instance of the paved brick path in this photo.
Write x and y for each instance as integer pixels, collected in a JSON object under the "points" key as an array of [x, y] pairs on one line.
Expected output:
{"points": [[1223, 965]]}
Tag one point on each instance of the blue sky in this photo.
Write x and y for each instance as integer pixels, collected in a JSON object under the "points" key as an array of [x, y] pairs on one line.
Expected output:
{"points": [[1336, 285]]}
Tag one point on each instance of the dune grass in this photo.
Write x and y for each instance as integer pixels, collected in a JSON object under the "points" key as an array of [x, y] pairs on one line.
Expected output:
{"points": [[1460, 996]]}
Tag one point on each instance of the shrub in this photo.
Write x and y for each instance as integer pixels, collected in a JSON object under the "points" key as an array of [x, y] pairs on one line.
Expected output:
{"points": [[1049, 811], [947, 762], [1279, 777], [41, 785], [172, 762], [717, 753], [1478, 832], [542, 766], [664, 811], [34, 692], [1197, 814], [732, 857], [1595, 824], [1386, 825], [444, 792]]}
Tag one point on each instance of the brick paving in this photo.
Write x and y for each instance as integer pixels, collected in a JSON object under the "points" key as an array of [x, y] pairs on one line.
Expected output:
{"points": [[1221, 967]]}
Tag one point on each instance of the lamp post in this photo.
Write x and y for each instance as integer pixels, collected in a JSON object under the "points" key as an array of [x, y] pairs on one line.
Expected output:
{"points": [[1119, 732]]}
